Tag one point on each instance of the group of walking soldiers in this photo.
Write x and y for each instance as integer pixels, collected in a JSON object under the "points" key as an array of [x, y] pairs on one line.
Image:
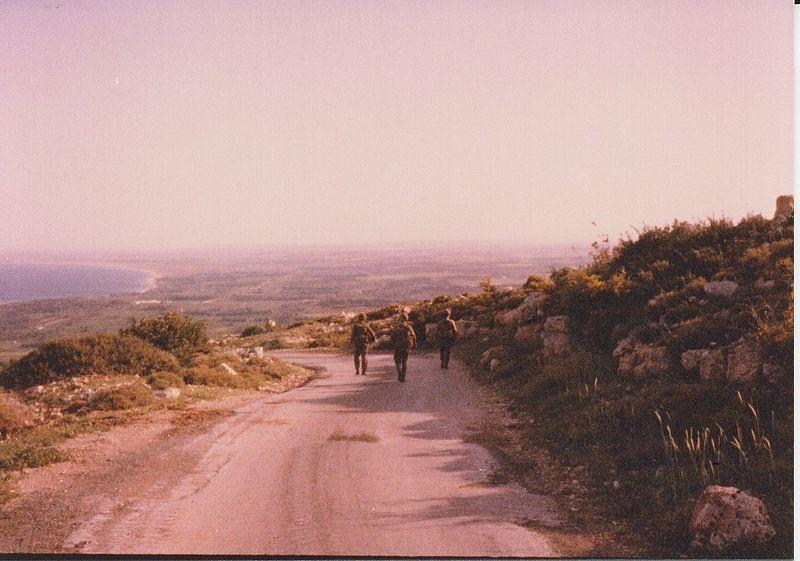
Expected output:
{"points": [[403, 340]]}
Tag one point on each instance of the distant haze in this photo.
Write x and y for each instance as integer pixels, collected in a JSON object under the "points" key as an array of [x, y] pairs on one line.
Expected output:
{"points": [[158, 125]]}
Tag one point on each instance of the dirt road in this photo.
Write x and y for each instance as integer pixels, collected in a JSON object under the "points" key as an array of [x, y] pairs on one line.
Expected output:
{"points": [[345, 465]]}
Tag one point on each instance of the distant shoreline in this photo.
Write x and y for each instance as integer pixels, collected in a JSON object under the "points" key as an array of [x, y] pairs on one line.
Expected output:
{"points": [[80, 280]]}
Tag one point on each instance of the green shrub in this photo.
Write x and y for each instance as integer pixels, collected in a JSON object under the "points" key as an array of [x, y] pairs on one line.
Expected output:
{"points": [[163, 380], [179, 335], [98, 354], [254, 329], [35, 448], [122, 397]]}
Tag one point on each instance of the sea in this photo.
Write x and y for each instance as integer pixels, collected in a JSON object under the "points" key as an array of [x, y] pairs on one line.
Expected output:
{"points": [[20, 282]]}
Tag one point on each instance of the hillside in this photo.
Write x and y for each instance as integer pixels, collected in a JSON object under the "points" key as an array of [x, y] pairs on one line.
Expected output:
{"points": [[660, 368]]}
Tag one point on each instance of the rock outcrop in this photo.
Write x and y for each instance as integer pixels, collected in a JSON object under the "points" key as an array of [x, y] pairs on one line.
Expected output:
{"points": [[712, 364], [784, 207], [744, 362], [526, 312], [724, 288], [740, 362], [725, 517], [640, 359]]}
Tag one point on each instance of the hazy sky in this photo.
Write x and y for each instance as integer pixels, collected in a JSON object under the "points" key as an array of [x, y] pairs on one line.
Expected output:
{"points": [[176, 124]]}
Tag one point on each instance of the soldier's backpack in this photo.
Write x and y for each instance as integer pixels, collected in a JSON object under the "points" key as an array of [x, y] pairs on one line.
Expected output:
{"points": [[447, 330], [403, 336], [361, 335]]}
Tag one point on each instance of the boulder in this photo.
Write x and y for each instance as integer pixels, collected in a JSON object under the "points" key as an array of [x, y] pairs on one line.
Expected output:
{"points": [[691, 358], [784, 207], [495, 353], [528, 310], [650, 359], [712, 364], [744, 361], [720, 288], [640, 359], [524, 313], [555, 336], [168, 393], [527, 334], [227, 368], [724, 517]]}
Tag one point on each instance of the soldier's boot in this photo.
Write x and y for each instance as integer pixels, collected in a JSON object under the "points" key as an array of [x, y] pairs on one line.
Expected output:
{"points": [[356, 361], [364, 365]]}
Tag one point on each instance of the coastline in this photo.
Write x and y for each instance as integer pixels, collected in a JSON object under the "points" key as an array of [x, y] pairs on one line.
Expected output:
{"points": [[146, 284]]}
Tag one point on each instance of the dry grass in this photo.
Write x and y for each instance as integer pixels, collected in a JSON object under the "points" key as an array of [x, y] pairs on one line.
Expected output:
{"points": [[339, 436]]}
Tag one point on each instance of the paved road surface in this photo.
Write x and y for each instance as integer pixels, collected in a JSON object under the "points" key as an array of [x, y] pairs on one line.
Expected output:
{"points": [[345, 465]]}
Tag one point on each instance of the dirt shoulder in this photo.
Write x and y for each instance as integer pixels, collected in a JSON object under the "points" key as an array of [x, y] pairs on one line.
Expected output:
{"points": [[111, 469]]}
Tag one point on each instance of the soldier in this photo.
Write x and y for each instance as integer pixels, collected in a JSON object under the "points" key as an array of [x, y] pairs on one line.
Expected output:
{"points": [[446, 335], [403, 340], [361, 338]]}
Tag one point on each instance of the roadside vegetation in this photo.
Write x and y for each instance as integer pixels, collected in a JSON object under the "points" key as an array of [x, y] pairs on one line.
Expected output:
{"points": [[662, 367], [75, 385]]}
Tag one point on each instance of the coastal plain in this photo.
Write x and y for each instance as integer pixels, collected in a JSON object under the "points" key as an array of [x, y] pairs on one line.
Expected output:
{"points": [[231, 289]]}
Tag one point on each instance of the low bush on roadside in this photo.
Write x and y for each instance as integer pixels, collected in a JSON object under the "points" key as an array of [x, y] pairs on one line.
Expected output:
{"points": [[97, 354], [163, 380], [254, 329], [122, 397], [34, 448], [180, 335], [14, 414]]}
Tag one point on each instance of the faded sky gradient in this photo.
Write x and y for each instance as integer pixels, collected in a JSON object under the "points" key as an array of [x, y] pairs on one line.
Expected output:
{"points": [[151, 125]]}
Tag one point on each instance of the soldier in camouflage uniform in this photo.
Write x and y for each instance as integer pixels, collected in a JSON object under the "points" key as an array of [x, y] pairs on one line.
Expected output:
{"points": [[403, 340], [446, 335], [361, 338]]}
